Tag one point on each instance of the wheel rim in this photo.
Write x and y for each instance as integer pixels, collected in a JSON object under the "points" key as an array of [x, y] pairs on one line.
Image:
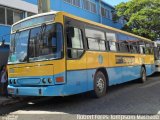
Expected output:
{"points": [[144, 76], [100, 85]]}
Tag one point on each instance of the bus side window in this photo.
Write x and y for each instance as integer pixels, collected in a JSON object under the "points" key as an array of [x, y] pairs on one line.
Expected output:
{"points": [[75, 47], [111, 38], [96, 39], [124, 47], [142, 49], [134, 49]]}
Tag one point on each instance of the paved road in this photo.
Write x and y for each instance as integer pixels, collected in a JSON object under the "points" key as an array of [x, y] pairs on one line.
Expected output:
{"points": [[128, 98]]}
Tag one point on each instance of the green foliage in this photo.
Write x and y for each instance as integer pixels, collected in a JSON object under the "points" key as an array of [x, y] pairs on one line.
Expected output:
{"points": [[142, 17]]}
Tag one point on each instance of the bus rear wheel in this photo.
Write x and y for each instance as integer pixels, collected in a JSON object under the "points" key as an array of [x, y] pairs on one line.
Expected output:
{"points": [[100, 85], [143, 75]]}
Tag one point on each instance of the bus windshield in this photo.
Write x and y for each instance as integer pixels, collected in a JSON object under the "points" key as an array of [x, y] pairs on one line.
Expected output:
{"points": [[37, 44]]}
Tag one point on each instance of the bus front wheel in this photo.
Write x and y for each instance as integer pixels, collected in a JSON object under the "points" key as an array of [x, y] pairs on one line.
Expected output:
{"points": [[99, 85]]}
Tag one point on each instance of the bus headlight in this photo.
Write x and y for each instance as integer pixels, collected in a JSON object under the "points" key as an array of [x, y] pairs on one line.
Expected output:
{"points": [[44, 81], [10, 81], [49, 80], [14, 81]]}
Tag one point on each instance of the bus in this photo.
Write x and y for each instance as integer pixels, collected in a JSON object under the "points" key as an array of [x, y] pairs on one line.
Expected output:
{"points": [[59, 54], [157, 56]]}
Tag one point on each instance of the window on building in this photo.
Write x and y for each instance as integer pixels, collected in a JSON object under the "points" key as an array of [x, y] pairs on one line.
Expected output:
{"points": [[90, 6], [18, 15], [9, 17], [74, 2], [96, 39], [2, 13], [86, 4], [93, 7], [105, 12], [30, 14], [68, 1]]}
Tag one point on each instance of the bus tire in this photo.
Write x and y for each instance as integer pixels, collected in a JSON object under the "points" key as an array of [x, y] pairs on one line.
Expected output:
{"points": [[143, 75], [100, 85]]}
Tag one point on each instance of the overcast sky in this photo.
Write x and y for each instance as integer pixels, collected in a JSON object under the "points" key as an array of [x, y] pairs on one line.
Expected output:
{"points": [[115, 2]]}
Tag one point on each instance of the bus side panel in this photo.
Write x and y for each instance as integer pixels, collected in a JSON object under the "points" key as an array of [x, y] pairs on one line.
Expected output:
{"points": [[123, 74], [130, 73], [123, 67], [95, 60], [114, 75], [90, 75], [76, 82], [76, 75], [149, 64], [150, 69]]}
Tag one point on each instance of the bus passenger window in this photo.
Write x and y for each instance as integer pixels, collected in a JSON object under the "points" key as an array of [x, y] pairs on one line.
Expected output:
{"points": [[133, 49], [141, 46], [142, 49], [134, 46], [74, 43], [111, 37], [96, 39], [93, 44], [124, 46]]}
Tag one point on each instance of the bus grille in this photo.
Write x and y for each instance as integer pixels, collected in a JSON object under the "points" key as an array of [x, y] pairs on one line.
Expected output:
{"points": [[28, 81]]}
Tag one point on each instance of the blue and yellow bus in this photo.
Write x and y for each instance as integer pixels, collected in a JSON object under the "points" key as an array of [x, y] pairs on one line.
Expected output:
{"points": [[59, 54]]}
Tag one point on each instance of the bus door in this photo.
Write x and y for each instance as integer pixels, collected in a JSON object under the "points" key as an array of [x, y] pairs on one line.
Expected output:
{"points": [[76, 57]]}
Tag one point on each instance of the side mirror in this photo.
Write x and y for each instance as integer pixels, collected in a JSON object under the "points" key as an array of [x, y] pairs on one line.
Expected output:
{"points": [[70, 31]]}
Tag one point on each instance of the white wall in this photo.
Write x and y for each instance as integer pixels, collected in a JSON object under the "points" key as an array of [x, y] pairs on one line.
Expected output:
{"points": [[21, 5]]}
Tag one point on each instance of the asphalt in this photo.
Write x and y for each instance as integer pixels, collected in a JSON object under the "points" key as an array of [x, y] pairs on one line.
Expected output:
{"points": [[130, 98], [5, 101]]}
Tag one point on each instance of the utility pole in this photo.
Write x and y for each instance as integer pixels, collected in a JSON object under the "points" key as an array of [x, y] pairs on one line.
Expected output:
{"points": [[43, 6], [100, 11]]}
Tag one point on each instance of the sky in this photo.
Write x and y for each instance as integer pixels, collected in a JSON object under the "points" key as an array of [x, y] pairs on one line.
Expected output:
{"points": [[115, 2]]}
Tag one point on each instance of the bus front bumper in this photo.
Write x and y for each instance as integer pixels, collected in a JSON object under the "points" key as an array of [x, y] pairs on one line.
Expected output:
{"points": [[37, 91]]}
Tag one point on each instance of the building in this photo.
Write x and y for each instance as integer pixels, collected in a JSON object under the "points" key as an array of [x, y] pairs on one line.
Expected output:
{"points": [[89, 9], [14, 10]]}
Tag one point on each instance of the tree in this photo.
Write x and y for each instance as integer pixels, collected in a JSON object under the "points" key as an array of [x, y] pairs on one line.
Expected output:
{"points": [[142, 17]]}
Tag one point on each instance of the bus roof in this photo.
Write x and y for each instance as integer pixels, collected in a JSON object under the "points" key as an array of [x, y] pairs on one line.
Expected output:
{"points": [[83, 20], [103, 26], [34, 16]]}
